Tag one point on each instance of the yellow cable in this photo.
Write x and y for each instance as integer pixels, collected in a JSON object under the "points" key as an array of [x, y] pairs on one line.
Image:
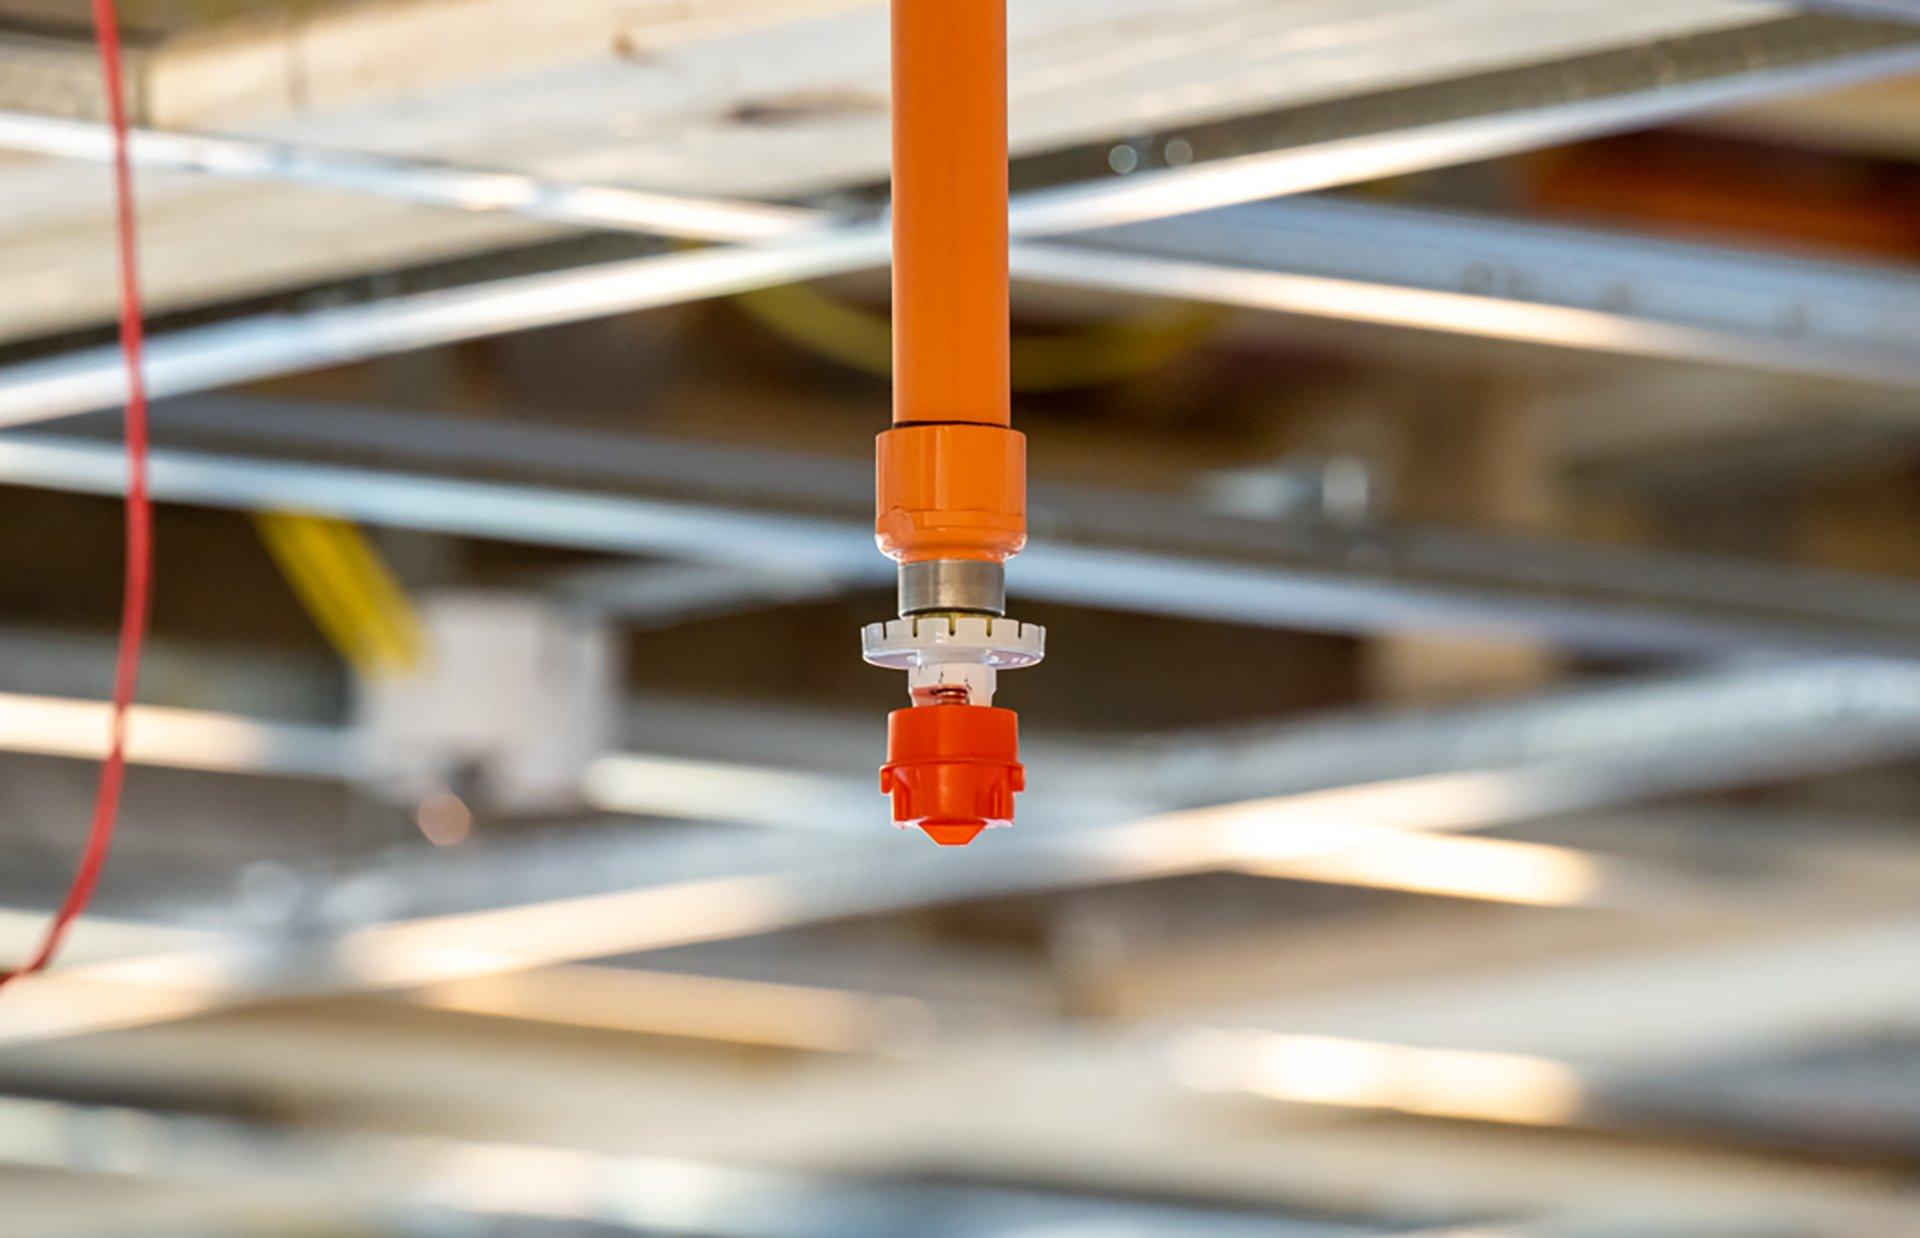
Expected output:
{"points": [[375, 594], [345, 587], [284, 538]]}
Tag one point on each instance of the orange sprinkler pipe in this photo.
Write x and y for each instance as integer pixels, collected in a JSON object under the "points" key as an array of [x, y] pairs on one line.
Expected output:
{"points": [[950, 324], [952, 473], [951, 479]]}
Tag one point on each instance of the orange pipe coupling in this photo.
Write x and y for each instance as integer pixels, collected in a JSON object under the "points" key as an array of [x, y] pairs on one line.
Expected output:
{"points": [[951, 492], [951, 475]]}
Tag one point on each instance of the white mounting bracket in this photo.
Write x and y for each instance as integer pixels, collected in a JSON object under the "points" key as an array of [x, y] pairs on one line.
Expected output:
{"points": [[953, 651]]}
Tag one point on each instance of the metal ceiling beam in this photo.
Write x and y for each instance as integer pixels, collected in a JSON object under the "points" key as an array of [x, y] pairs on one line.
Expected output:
{"points": [[1634, 87], [930, 1111], [203, 358], [1105, 549], [1711, 1001], [363, 1175], [957, 1117], [174, 738], [1729, 726], [615, 208], [1663, 728], [1871, 10], [95, 937], [1118, 781], [1506, 279], [606, 895]]}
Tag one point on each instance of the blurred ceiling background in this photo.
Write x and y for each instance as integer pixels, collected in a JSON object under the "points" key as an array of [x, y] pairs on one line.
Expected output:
{"points": [[1473, 792]]}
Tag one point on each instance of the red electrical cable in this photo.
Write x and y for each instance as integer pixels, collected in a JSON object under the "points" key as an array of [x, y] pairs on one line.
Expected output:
{"points": [[139, 511]]}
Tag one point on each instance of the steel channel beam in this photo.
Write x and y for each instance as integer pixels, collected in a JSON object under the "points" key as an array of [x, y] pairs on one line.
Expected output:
{"points": [[1642, 84], [1104, 549], [1505, 279], [187, 739], [203, 358], [614, 208], [1566, 751], [1701, 1002], [1870, 10], [1452, 770], [397, 1178], [602, 896]]}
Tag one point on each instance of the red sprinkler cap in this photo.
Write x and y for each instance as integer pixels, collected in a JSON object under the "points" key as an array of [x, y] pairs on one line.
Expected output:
{"points": [[953, 770]]}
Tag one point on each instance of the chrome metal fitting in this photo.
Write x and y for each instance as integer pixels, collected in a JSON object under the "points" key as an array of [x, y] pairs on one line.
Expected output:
{"points": [[953, 586]]}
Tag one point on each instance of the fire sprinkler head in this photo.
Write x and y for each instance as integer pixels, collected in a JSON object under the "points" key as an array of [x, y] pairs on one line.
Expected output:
{"points": [[953, 760], [953, 770]]}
